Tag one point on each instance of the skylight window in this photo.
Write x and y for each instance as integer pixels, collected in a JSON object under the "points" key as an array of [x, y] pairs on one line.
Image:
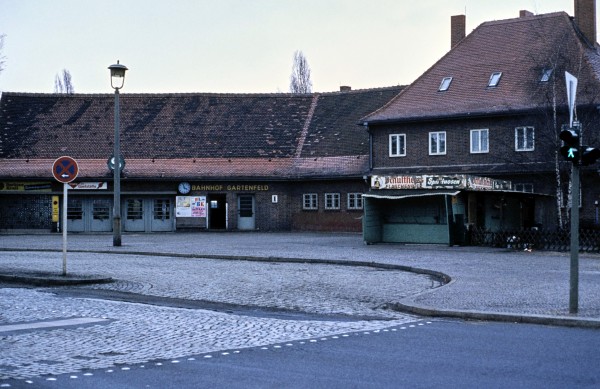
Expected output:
{"points": [[445, 84], [546, 74], [494, 79]]}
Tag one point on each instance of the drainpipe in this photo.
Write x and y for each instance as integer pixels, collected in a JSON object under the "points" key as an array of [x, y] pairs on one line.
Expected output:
{"points": [[370, 146]]}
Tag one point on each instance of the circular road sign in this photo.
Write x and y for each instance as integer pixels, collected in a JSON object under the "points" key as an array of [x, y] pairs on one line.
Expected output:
{"points": [[65, 169]]}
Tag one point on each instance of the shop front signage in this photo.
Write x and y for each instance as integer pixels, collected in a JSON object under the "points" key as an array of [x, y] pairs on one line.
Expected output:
{"points": [[230, 187], [426, 181], [26, 186], [89, 185]]}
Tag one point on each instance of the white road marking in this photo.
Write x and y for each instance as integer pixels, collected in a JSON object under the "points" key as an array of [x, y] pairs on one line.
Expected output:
{"points": [[50, 324]]}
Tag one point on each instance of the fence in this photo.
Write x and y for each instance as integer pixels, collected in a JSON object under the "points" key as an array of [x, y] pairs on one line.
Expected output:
{"points": [[551, 240]]}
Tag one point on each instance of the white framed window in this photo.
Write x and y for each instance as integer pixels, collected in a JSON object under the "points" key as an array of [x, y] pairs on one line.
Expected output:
{"points": [[445, 84], [355, 201], [397, 145], [524, 188], [494, 79], [310, 201], [480, 141], [437, 143], [524, 138], [332, 201]]}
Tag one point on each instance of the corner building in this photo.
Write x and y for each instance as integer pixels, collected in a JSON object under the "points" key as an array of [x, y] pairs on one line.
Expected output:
{"points": [[488, 113]]}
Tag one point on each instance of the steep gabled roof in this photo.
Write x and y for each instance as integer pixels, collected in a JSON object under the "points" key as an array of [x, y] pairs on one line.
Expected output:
{"points": [[191, 135], [521, 49]]}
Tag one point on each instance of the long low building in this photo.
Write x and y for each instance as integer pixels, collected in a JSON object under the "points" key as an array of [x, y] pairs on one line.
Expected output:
{"points": [[270, 162]]}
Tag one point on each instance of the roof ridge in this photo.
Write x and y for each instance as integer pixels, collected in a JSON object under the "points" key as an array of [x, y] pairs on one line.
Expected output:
{"points": [[525, 18], [200, 94]]}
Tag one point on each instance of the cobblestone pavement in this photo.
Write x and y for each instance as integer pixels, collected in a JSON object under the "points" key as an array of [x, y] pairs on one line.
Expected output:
{"points": [[191, 268], [333, 299], [138, 333]]}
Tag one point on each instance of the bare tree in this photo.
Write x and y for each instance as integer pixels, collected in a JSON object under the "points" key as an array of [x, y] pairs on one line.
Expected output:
{"points": [[300, 79], [63, 84], [2, 57]]}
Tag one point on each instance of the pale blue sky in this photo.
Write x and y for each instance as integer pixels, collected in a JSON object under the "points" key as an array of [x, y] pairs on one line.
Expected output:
{"points": [[241, 46]]}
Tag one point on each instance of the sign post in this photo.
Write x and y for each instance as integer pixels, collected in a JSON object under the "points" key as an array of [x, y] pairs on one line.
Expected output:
{"points": [[571, 85], [65, 170]]}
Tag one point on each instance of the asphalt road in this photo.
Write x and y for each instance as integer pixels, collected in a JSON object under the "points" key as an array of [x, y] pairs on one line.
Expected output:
{"points": [[422, 354]]}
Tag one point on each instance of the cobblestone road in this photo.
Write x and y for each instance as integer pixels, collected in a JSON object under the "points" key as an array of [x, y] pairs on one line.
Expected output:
{"points": [[333, 299]]}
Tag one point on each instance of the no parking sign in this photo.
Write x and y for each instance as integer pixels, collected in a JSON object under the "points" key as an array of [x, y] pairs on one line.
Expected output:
{"points": [[65, 169]]}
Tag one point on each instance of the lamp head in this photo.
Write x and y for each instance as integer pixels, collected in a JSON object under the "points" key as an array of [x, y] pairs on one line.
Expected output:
{"points": [[117, 75]]}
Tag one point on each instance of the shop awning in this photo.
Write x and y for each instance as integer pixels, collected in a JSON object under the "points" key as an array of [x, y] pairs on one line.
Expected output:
{"points": [[411, 193]]}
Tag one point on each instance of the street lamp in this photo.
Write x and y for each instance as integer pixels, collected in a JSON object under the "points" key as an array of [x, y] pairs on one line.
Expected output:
{"points": [[117, 80]]}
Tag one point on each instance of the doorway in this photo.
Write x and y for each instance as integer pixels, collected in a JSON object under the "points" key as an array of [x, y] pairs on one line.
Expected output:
{"points": [[246, 219], [217, 211]]}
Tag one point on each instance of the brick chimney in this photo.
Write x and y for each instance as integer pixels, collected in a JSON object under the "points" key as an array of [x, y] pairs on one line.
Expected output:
{"points": [[524, 13], [458, 29], [585, 18]]}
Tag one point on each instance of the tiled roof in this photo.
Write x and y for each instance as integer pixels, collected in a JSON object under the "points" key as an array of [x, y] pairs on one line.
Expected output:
{"points": [[521, 49], [190, 135], [333, 129], [201, 168]]}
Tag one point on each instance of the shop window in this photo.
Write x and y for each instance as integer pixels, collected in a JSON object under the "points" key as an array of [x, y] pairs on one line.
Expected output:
{"points": [[397, 145], [310, 201], [524, 188], [355, 201], [524, 138], [332, 201], [479, 141], [437, 143]]}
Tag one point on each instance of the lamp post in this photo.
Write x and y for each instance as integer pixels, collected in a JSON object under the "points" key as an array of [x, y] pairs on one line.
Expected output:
{"points": [[117, 80]]}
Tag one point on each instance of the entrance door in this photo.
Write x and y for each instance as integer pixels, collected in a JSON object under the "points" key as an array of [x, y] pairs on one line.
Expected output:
{"points": [[217, 212], [134, 215], [75, 220], [101, 215], [246, 219], [161, 215]]}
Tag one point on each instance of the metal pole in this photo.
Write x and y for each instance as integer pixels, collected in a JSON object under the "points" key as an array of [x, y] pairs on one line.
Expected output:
{"points": [[574, 269], [117, 178], [64, 228]]}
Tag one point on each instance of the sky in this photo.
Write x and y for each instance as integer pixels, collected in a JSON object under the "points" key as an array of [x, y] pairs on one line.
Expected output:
{"points": [[234, 46]]}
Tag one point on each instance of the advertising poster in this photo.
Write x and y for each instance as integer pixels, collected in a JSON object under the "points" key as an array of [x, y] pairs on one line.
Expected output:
{"points": [[198, 205], [183, 207]]}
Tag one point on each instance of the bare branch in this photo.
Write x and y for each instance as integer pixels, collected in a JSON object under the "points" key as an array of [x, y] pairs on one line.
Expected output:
{"points": [[300, 79]]}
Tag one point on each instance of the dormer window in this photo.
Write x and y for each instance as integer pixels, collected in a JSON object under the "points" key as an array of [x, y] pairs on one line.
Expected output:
{"points": [[494, 79], [445, 84], [546, 74]]}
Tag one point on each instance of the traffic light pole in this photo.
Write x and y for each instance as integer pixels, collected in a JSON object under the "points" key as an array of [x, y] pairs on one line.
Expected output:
{"points": [[574, 269]]}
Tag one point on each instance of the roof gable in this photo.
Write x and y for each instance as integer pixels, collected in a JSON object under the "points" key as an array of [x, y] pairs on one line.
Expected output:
{"points": [[520, 49]]}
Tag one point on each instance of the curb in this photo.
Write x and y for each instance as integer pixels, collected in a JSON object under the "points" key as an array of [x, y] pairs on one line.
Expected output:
{"points": [[52, 279], [499, 316]]}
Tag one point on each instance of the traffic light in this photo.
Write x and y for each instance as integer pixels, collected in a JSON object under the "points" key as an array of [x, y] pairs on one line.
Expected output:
{"points": [[570, 148], [589, 155]]}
